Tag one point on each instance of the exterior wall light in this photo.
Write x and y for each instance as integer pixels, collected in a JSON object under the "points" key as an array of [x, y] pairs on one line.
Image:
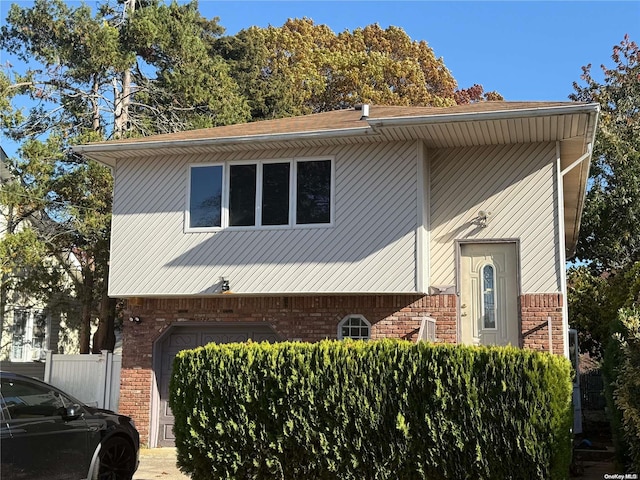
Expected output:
{"points": [[484, 217]]}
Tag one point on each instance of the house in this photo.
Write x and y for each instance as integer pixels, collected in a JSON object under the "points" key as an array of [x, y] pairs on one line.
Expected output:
{"points": [[29, 327], [25, 330], [413, 222]]}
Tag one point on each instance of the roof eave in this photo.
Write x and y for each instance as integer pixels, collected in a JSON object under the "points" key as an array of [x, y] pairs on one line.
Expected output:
{"points": [[572, 243], [92, 150], [486, 116]]}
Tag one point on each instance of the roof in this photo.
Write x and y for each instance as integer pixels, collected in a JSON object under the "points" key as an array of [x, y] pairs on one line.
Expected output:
{"points": [[348, 121], [572, 124]]}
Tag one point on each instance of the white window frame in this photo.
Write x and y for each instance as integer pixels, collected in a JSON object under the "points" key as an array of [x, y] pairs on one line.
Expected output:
{"points": [[226, 186], [347, 319], [28, 351]]}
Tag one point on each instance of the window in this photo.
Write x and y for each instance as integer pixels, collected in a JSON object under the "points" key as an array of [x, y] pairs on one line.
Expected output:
{"points": [[260, 194], [354, 326], [275, 193], [21, 399], [242, 195], [313, 198], [205, 196], [488, 297], [20, 320], [29, 335]]}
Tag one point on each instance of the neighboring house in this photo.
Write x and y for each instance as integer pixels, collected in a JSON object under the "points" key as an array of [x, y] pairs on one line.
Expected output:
{"points": [[28, 327], [451, 224]]}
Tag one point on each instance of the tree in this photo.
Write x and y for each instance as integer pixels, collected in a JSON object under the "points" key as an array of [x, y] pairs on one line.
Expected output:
{"points": [[137, 69], [32, 264], [304, 68], [94, 71], [608, 249], [610, 230], [595, 300], [191, 86]]}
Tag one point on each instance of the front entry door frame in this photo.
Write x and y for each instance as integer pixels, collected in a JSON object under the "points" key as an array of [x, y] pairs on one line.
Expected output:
{"points": [[458, 247]]}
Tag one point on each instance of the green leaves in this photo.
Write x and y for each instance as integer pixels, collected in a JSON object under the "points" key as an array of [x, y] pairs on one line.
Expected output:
{"points": [[384, 409], [122, 73], [622, 387], [609, 243], [594, 302], [610, 230]]}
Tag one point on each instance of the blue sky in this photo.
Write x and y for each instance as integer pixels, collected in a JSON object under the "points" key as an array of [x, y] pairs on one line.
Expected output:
{"points": [[524, 50]]}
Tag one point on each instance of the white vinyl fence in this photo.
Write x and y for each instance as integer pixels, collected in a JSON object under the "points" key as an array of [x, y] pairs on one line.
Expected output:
{"points": [[92, 379]]}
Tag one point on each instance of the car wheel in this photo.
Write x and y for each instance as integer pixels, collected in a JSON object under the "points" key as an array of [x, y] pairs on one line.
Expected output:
{"points": [[117, 460]]}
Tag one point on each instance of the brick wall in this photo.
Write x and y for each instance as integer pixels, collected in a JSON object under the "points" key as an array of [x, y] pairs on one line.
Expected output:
{"points": [[535, 310], [309, 319], [305, 318]]}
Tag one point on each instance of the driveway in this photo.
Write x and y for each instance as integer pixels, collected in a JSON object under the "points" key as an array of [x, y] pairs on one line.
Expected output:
{"points": [[158, 464]]}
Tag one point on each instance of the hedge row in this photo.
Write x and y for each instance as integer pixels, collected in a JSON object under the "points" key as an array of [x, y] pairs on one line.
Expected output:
{"points": [[370, 410], [622, 389]]}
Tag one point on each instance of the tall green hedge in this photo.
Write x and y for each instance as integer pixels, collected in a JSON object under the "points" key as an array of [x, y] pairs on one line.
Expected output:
{"points": [[622, 388], [371, 410]]}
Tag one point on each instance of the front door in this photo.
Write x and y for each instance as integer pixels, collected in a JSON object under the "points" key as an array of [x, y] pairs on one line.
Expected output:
{"points": [[489, 294]]}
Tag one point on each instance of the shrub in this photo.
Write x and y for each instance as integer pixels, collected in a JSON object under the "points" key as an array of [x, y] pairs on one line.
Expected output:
{"points": [[371, 410], [622, 372]]}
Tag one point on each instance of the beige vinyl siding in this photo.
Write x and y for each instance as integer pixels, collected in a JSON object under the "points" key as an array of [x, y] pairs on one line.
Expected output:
{"points": [[370, 248], [517, 183]]}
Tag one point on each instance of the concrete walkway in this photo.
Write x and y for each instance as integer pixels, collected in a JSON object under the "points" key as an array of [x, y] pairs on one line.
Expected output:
{"points": [[158, 464]]}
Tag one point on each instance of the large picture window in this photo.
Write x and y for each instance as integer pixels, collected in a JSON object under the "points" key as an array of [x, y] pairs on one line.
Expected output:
{"points": [[260, 194]]}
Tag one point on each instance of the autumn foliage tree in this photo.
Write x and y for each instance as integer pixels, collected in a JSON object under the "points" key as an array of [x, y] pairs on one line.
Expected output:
{"points": [[302, 67]]}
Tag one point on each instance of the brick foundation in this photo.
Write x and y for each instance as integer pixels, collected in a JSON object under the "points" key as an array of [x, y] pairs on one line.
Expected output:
{"points": [[306, 318], [535, 311]]}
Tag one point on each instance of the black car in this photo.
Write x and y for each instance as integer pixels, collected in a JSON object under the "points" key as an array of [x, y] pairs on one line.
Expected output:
{"points": [[47, 434]]}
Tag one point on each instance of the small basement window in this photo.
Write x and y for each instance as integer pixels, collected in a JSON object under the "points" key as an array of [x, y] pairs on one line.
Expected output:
{"points": [[354, 326]]}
